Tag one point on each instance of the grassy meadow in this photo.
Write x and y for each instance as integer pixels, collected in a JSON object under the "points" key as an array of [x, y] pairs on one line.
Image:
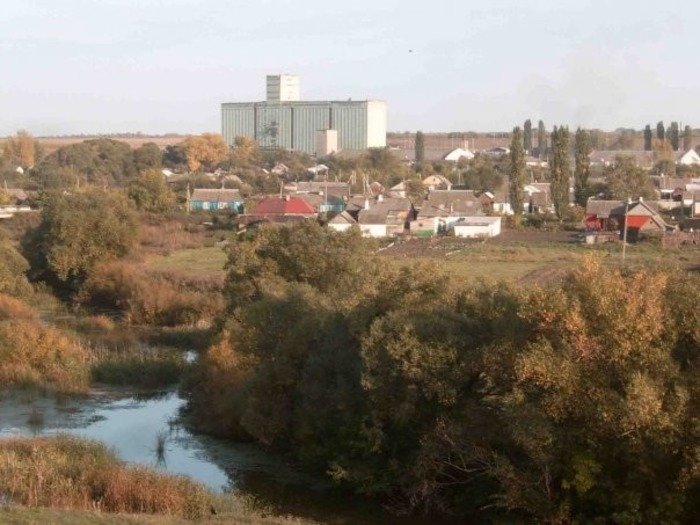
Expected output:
{"points": [[533, 260]]}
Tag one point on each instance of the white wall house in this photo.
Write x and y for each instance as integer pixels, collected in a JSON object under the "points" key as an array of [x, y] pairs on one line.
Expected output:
{"points": [[477, 227], [459, 153], [342, 222], [689, 158]]}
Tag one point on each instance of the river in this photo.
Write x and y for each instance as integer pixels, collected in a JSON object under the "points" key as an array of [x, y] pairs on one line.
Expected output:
{"points": [[133, 423]]}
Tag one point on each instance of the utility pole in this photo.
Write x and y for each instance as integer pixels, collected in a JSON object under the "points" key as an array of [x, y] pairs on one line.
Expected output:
{"points": [[624, 233]]}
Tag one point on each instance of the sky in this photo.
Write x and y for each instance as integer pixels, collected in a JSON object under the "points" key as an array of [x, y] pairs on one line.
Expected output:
{"points": [[165, 66]]}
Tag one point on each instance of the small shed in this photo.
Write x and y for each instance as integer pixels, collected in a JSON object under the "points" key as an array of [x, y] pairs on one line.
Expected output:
{"points": [[477, 227]]}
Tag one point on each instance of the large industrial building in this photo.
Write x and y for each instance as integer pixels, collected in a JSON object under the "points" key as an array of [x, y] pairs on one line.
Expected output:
{"points": [[320, 128]]}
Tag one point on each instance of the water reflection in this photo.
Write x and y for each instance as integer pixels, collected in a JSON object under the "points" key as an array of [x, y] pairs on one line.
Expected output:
{"points": [[145, 428]]}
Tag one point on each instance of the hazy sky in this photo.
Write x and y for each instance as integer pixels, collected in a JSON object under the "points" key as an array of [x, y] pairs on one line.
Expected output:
{"points": [[158, 66]]}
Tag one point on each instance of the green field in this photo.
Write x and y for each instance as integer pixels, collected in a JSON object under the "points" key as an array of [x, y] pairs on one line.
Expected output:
{"points": [[517, 260]]}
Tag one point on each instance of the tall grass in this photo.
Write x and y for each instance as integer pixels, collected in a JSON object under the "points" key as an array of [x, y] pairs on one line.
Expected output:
{"points": [[68, 472], [153, 298], [138, 366]]}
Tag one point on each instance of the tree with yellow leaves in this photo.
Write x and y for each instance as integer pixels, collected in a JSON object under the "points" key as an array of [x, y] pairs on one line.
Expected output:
{"points": [[20, 149], [204, 151]]}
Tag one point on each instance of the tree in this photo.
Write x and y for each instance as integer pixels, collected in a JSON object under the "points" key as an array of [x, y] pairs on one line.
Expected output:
{"points": [[582, 166], [687, 138], [625, 180], [20, 149], [660, 131], [527, 135], [420, 148], [204, 151], [541, 140], [13, 268], [664, 158], [674, 136], [517, 175], [77, 231], [174, 157], [245, 153], [147, 157], [97, 161], [151, 193], [647, 138], [560, 170]]}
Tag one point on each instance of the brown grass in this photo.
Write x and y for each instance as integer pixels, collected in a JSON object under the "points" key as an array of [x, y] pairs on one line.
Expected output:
{"points": [[154, 298], [12, 308], [165, 237], [68, 472]]}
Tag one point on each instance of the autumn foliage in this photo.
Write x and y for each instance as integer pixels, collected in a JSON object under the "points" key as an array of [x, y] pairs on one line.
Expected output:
{"points": [[575, 402]]}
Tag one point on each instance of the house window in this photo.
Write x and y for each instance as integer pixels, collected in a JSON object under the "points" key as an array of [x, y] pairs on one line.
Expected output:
{"points": [[205, 205]]}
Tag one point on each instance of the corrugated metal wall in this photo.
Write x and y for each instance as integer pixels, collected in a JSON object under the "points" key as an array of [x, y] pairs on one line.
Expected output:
{"points": [[350, 119], [237, 120], [293, 125], [273, 126], [308, 119]]}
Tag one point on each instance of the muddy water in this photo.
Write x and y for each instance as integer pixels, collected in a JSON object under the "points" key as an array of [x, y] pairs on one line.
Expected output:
{"points": [[133, 425]]}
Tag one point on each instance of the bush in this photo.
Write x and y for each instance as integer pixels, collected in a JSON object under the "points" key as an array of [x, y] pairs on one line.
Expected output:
{"points": [[77, 232], [33, 355], [571, 403], [150, 298]]}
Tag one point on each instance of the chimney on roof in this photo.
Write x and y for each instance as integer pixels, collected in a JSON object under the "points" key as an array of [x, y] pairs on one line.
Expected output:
{"points": [[286, 197], [366, 203], [380, 198], [641, 199]]}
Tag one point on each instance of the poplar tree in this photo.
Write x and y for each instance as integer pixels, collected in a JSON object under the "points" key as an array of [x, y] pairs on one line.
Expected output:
{"points": [[517, 175], [582, 166], [559, 170], [660, 131], [674, 135], [420, 147], [687, 138], [541, 139], [527, 135], [647, 138]]}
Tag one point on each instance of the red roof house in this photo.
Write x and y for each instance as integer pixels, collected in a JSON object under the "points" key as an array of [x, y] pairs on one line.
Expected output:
{"points": [[610, 215], [280, 209]]}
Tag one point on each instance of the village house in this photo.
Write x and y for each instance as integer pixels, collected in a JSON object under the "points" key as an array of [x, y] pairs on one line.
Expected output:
{"points": [[437, 182], [441, 209], [459, 153], [342, 222], [323, 203], [203, 199], [280, 209], [689, 158], [337, 189], [604, 158], [610, 215], [399, 190], [384, 217]]}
